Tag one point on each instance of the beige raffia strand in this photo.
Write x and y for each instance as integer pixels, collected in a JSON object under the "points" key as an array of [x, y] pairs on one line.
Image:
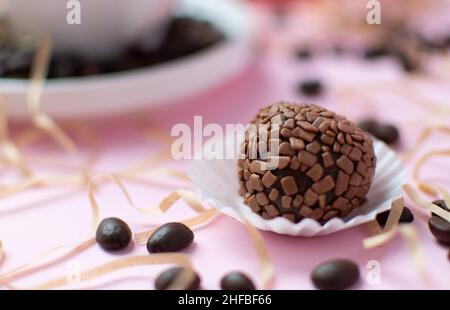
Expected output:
{"points": [[417, 199], [8, 190], [424, 135], [267, 270], [2, 253], [373, 228], [425, 187], [11, 155], [409, 234], [153, 259], [37, 263], [82, 130], [38, 75], [183, 280], [142, 237]]}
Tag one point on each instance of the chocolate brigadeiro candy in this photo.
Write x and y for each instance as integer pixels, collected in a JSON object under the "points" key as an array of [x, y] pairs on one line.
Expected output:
{"points": [[113, 234], [439, 227], [166, 278], [335, 275], [170, 237], [325, 163], [237, 281]]}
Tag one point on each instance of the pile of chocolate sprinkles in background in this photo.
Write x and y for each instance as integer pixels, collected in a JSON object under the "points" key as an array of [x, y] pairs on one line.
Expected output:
{"points": [[185, 36], [325, 165]]}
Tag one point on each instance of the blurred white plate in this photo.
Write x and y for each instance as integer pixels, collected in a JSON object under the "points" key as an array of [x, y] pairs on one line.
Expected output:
{"points": [[160, 84]]}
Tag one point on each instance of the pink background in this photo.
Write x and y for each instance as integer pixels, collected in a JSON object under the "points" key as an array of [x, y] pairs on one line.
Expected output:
{"points": [[36, 220]]}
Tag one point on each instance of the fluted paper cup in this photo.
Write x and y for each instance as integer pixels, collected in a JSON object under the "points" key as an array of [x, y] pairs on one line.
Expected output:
{"points": [[217, 182]]}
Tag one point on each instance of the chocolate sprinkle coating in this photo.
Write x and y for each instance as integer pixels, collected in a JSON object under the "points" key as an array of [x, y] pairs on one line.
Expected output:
{"points": [[325, 165]]}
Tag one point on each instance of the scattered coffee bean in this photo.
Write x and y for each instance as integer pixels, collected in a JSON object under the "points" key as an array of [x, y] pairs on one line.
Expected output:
{"points": [[311, 87], [335, 275], [440, 228], [368, 125], [406, 217], [407, 62], [387, 133], [170, 237], [441, 204], [185, 36], [303, 53], [237, 281], [166, 278], [376, 52], [113, 234]]}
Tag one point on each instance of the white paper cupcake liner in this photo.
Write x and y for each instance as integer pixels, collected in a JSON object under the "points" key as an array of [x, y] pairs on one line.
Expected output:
{"points": [[217, 182]]}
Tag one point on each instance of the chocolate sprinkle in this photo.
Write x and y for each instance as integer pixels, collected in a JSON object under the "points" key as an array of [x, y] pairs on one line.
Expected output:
{"points": [[324, 173]]}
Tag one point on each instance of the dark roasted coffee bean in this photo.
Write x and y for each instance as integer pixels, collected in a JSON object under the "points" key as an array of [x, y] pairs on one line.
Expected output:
{"points": [[368, 124], [440, 228], [376, 52], [166, 278], [441, 204], [65, 65], [387, 133], [406, 217], [170, 237], [113, 234], [311, 87], [303, 53], [237, 281], [407, 63], [335, 275]]}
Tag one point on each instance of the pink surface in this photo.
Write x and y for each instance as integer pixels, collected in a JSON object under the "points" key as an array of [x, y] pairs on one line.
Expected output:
{"points": [[36, 220]]}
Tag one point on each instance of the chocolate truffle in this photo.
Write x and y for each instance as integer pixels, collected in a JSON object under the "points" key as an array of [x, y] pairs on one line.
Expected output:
{"points": [[302, 161]]}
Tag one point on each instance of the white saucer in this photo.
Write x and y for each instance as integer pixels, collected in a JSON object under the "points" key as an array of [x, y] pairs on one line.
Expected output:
{"points": [[152, 86]]}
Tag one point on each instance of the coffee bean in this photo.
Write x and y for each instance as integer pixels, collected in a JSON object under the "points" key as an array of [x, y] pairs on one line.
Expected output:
{"points": [[335, 275], [64, 65], [406, 217], [303, 53], [440, 228], [166, 278], [170, 237], [237, 281], [376, 52], [311, 87], [368, 124], [407, 63], [387, 133], [441, 204], [113, 234]]}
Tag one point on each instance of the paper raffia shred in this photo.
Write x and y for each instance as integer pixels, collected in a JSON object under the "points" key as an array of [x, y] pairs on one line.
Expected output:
{"points": [[267, 270], [38, 263], [153, 259], [417, 199], [38, 75], [10, 153], [183, 280], [424, 135], [422, 185]]}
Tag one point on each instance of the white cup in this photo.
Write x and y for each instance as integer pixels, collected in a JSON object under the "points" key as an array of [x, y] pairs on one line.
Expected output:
{"points": [[105, 26]]}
